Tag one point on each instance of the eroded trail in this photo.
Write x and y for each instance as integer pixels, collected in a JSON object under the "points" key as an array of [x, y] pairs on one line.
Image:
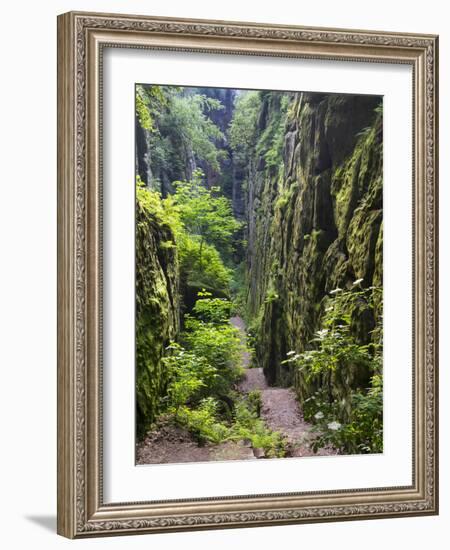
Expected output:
{"points": [[279, 407], [280, 412]]}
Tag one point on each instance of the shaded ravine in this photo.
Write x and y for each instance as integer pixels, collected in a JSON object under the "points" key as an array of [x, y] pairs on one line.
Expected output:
{"points": [[280, 409], [168, 443], [280, 412]]}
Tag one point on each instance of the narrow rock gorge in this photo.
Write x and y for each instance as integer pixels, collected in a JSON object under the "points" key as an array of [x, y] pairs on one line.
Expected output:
{"points": [[259, 252], [314, 218]]}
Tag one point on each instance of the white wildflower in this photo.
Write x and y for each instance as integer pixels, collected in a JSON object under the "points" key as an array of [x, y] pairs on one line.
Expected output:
{"points": [[322, 333], [319, 415], [334, 426], [336, 290], [358, 281]]}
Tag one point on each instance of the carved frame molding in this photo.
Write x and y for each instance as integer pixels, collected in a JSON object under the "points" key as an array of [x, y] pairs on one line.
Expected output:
{"points": [[81, 39]]}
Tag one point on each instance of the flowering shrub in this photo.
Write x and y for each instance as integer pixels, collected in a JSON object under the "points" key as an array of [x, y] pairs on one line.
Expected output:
{"points": [[347, 407], [363, 433]]}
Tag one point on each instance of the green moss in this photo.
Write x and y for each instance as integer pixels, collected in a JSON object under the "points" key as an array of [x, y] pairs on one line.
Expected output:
{"points": [[352, 181], [318, 221], [157, 302], [378, 272], [362, 238]]}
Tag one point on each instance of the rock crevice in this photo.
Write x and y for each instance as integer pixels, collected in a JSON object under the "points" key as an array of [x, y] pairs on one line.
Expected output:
{"points": [[314, 218]]}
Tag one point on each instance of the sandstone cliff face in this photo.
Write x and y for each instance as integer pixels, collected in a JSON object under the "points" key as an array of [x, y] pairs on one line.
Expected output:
{"points": [[157, 309], [314, 214]]}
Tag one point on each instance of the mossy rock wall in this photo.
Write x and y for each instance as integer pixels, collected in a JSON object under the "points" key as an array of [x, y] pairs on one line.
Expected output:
{"points": [[314, 220], [157, 310]]}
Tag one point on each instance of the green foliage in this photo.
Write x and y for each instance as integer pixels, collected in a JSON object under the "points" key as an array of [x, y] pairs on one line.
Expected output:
{"points": [[271, 296], [149, 100], [216, 340], [336, 347], [166, 211], [209, 364], [187, 117], [271, 140], [254, 329], [204, 372], [286, 195], [189, 376], [203, 421], [219, 344], [238, 289], [205, 212], [248, 425], [205, 424], [180, 128], [156, 299], [201, 265], [243, 128], [352, 424], [362, 433], [254, 401], [200, 262], [209, 226], [212, 310]]}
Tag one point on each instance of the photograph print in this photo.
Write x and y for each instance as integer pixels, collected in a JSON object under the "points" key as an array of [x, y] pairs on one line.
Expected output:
{"points": [[259, 274]]}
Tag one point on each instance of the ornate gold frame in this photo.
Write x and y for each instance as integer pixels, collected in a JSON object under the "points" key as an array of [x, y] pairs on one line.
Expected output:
{"points": [[81, 37]]}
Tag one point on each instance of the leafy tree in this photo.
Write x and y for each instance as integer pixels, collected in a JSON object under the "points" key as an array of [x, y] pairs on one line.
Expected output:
{"points": [[188, 118], [243, 129], [205, 213], [149, 102], [209, 273], [180, 130]]}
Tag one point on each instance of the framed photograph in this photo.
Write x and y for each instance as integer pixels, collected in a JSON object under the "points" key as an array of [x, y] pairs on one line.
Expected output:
{"points": [[247, 276]]}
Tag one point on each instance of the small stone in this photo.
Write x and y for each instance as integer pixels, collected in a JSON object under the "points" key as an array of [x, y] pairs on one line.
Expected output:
{"points": [[259, 452]]}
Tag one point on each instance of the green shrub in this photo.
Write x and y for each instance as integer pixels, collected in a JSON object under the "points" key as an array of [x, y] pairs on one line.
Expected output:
{"points": [[212, 310], [201, 374], [363, 433], [190, 377], [202, 421], [221, 346], [348, 417], [165, 210], [201, 265], [254, 401], [247, 425]]}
